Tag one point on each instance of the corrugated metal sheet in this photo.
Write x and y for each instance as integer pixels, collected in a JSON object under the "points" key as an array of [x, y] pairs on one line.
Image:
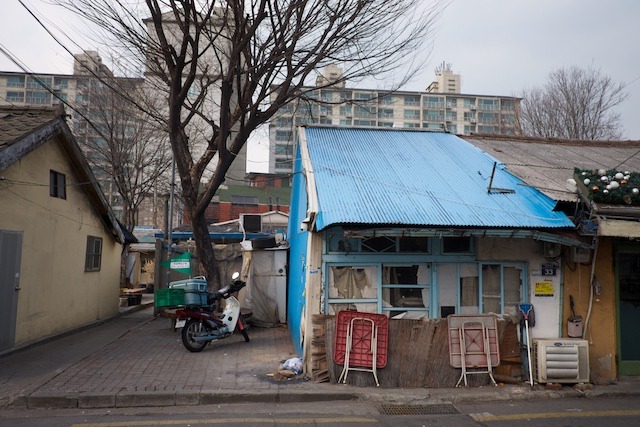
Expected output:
{"points": [[395, 177], [547, 164]]}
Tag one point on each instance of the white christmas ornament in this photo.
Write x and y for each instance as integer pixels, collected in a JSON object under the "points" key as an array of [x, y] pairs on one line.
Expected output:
{"points": [[619, 175], [605, 191], [601, 172], [614, 185], [635, 191], [587, 181], [604, 178]]}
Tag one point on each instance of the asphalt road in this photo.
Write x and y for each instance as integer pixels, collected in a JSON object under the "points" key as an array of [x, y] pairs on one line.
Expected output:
{"points": [[561, 412]]}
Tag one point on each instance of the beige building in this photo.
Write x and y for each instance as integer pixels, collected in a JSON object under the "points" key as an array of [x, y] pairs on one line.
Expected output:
{"points": [[442, 107], [446, 80], [60, 243]]}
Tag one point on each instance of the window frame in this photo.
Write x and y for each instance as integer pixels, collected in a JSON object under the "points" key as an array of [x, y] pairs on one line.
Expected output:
{"points": [[93, 256], [57, 184], [375, 284], [400, 286]]}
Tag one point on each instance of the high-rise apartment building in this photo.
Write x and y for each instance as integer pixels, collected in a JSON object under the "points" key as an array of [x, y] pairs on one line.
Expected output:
{"points": [[83, 93], [442, 107]]}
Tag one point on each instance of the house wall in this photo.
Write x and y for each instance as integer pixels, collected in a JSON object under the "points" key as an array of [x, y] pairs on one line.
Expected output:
{"points": [[601, 330], [547, 309], [298, 260], [523, 252], [56, 293]]}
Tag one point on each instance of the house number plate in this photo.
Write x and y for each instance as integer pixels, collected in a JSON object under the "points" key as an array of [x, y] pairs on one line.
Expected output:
{"points": [[549, 269]]}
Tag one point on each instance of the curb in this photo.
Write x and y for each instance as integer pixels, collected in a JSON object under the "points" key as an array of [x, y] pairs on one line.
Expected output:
{"points": [[156, 399], [421, 396], [138, 307]]}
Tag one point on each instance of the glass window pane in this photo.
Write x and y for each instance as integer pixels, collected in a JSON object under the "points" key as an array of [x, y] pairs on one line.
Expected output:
{"points": [[413, 244], [469, 289], [456, 244], [379, 244], [447, 287], [353, 282], [491, 289], [512, 289], [398, 292]]}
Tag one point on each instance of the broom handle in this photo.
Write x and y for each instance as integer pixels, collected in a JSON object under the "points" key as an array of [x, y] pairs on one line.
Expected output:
{"points": [[526, 325]]}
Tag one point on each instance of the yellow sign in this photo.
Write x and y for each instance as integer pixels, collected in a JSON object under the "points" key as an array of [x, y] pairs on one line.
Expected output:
{"points": [[544, 289]]}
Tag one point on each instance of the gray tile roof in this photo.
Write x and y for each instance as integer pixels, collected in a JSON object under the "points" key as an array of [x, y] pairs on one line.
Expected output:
{"points": [[24, 129], [547, 163], [18, 122]]}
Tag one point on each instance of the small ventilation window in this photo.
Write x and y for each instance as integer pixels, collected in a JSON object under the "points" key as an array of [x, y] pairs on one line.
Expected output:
{"points": [[57, 185]]}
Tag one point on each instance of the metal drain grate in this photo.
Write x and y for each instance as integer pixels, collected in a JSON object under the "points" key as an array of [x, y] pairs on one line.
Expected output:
{"points": [[435, 409]]}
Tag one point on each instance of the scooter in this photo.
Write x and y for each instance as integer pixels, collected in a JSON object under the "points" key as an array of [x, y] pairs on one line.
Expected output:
{"points": [[200, 325]]}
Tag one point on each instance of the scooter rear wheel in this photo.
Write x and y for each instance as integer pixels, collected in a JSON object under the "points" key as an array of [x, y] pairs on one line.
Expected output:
{"points": [[190, 329], [243, 329]]}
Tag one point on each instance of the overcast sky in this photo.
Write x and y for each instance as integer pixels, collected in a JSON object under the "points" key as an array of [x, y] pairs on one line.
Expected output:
{"points": [[498, 47]]}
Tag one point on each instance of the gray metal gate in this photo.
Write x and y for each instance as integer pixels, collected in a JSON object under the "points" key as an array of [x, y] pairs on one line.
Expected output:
{"points": [[10, 254]]}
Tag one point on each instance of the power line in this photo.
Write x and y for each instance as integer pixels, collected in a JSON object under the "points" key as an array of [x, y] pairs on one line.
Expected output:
{"points": [[81, 222]]}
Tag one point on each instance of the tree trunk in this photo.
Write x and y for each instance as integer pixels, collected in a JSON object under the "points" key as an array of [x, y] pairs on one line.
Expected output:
{"points": [[204, 249]]}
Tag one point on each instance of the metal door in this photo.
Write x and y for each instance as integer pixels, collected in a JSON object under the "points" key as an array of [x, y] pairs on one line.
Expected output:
{"points": [[10, 251], [628, 275]]}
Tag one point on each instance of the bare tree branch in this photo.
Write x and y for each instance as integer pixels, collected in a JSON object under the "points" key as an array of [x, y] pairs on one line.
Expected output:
{"points": [[574, 103], [216, 64], [122, 144]]}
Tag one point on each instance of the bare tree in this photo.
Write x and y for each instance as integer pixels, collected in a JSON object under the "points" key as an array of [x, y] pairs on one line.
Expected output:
{"points": [[574, 103], [121, 144], [217, 62]]}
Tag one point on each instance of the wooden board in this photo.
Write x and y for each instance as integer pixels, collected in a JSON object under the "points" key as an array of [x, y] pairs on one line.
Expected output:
{"points": [[418, 354]]}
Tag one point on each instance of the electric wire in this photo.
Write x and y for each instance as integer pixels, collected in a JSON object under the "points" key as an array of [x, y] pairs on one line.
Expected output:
{"points": [[81, 222]]}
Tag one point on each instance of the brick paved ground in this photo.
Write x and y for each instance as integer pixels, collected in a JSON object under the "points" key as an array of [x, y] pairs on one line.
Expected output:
{"points": [[137, 360], [151, 357]]}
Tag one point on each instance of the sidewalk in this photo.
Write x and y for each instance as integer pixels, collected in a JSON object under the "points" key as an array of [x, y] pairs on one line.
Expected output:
{"points": [[137, 360]]}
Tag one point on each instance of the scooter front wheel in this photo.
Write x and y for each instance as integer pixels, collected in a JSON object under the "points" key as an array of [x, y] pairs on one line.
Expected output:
{"points": [[192, 328]]}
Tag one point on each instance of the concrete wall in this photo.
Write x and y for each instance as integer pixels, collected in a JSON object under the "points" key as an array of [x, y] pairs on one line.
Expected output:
{"points": [[56, 293], [601, 330]]}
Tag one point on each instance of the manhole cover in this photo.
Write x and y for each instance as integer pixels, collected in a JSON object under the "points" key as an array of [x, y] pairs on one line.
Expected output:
{"points": [[435, 409]]}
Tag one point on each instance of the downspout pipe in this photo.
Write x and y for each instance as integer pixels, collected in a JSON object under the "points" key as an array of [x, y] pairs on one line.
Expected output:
{"points": [[591, 279]]}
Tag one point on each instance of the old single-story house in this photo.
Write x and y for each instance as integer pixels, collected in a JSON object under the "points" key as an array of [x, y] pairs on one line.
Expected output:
{"points": [[602, 282], [60, 244], [416, 224]]}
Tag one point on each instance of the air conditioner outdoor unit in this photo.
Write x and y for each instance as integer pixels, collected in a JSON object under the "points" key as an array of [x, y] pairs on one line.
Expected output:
{"points": [[251, 223], [562, 360]]}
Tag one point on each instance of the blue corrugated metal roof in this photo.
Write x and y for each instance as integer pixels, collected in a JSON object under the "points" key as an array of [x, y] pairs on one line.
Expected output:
{"points": [[411, 178]]}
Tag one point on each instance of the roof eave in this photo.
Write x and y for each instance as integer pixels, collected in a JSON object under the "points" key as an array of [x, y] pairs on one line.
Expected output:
{"points": [[563, 236], [89, 182]]}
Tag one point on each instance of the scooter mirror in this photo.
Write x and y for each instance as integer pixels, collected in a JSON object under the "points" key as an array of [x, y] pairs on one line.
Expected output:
{"points": [[235, 276]]}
